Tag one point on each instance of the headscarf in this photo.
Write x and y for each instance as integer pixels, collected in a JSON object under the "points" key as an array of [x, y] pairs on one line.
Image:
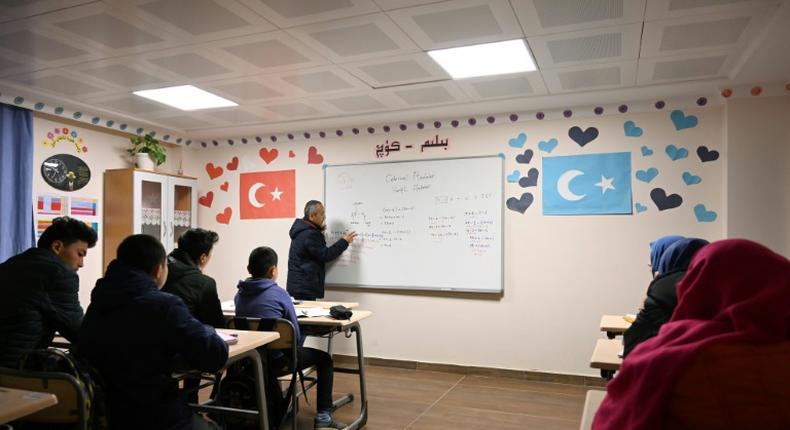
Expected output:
{"points": [[734, 291], [678, 255], [657, 249]]}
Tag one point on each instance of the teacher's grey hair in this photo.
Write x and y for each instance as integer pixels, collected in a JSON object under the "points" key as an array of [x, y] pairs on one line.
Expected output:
{"points": [[311, 207]]}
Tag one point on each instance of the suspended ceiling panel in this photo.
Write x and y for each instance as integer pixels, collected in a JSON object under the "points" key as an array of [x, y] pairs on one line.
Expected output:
{"points": [[354, 39], [397, 70], [539, 17], [600, 45], [458, 23]]}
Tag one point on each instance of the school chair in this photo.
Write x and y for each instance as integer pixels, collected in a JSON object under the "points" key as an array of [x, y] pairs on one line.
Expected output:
{"points": [[287, 343], [733, 385], [72, 406]]}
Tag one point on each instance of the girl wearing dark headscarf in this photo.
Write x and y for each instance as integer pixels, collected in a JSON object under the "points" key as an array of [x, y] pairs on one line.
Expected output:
{"points": [[657, 248], [736, 294], [661, 296]]}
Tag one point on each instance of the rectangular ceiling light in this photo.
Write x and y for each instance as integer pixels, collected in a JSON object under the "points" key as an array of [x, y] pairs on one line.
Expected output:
{"points": [[498, 58], [186, 97]]}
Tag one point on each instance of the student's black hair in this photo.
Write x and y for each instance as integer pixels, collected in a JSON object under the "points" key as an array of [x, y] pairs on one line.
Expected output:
{"points": [[142, 252], [262, 259], [311, 207], [67, 230], [197, 241]]}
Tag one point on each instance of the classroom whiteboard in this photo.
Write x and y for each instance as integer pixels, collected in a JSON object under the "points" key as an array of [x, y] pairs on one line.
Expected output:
{"points": [[429, 225]]}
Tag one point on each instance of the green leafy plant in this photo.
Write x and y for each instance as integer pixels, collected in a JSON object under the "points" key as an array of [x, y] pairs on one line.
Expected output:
{"points": [[148, 145]]}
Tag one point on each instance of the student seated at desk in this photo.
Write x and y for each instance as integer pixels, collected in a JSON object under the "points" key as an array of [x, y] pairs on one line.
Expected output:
{"points": [[185, 276], [132, 334], [732, 319], [40, 290], [260, 297], [661, 296]]}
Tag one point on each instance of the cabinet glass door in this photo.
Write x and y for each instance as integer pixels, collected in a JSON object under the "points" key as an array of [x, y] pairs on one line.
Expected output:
{"points": [[182, 209], [151, 200]]}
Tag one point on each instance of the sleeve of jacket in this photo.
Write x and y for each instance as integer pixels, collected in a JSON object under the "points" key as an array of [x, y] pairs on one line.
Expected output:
{"points": [[209, 309], [645, 326], [197, 343], [289, 313], [318, 249], [60, 304]]}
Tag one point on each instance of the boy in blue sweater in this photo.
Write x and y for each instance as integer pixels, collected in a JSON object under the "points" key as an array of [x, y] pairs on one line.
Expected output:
{"points": [[259, 296]]}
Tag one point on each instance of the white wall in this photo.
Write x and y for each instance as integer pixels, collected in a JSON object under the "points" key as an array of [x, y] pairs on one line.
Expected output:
{"points": [[758, 170], [561, 273], [105, 151]]}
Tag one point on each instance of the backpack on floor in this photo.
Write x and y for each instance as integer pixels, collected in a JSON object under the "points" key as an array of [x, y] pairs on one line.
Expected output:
{"points": [[237, 390], [55, 360]]}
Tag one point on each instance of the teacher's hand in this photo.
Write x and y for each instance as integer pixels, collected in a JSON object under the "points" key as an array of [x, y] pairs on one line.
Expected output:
{"points": [[349, 237]]}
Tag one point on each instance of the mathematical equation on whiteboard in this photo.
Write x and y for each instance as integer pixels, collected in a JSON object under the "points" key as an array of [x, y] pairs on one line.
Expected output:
{"points": [[398, 225], [385, 149]]}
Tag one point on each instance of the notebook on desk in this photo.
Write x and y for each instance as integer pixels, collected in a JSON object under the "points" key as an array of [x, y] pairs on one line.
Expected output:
{"points": [[230, 339], [312, 312]]}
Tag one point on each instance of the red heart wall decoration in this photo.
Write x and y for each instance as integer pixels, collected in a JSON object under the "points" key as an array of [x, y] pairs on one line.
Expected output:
{"points": [[234, 164], [224, 216], [313, 157], [268, 155], [213, 171], [207, 199]]}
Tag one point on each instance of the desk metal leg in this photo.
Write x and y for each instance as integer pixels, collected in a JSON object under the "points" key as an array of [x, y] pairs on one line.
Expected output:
{"points": [[362, 419], [262, 414]]}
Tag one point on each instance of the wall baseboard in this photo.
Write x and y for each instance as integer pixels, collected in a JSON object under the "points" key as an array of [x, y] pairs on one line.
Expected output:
{"points": [[528, 375]]}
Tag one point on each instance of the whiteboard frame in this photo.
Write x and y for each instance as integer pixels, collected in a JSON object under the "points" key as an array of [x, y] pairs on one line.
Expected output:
{"points": [[499, 292]]}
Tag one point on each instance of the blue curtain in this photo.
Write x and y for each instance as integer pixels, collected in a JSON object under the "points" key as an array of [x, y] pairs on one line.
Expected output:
{"points": [[16, 181]]}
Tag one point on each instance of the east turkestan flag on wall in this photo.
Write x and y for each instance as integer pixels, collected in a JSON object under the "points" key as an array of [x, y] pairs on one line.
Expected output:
{"points": [[587, 184], [267, 194]]}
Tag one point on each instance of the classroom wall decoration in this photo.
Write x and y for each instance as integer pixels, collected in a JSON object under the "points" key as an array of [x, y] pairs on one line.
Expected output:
{"points": [[51, 205], [587, 184], [64, 134], [269, 194], [65, 172], [83, 206]]}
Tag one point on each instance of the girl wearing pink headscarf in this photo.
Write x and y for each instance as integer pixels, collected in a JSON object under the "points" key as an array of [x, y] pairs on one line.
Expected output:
{"points": [[733, 313]]}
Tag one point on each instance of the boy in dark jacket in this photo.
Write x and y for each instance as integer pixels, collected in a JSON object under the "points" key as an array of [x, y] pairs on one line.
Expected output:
{"points": [[308, 253], [40, 290], [132, 334], [260, 297], [185, 276]]}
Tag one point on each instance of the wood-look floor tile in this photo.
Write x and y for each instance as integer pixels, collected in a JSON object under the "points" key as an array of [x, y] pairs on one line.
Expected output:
{"points": [[521, 384], [565, 406], [457, 418]]}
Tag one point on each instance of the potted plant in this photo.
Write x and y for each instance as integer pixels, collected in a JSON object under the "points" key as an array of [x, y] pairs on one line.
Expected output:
{"points": [[147, 151]]}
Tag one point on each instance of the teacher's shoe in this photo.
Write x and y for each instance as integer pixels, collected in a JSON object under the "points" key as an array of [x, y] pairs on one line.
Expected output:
{"points": [[328, 424]]}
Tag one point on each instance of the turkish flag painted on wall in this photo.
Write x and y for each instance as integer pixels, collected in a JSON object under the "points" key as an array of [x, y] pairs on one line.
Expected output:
{"points": [[267, 194]]}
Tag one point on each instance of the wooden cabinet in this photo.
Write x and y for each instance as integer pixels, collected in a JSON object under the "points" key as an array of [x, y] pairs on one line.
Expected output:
{"points": [[138, 201]]}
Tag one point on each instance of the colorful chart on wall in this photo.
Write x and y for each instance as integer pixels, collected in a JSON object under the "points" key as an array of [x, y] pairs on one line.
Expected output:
{"points": [[65, 172]]}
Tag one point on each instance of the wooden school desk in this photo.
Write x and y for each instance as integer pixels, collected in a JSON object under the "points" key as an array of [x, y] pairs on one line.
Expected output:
{"points": [[245, 348], [16, 404], [614, 325], [229, 310], [605, 357], [591, 403], [347, 326]]}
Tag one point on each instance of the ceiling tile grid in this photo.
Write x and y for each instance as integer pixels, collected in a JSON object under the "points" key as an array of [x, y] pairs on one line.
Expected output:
{"points": [[289, 61]]}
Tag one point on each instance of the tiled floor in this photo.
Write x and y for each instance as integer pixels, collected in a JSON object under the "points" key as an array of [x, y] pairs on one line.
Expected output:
{"points": [[425, 400]]}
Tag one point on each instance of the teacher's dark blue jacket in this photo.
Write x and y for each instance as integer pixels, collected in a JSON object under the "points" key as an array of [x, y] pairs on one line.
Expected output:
{"points": [[306, 260], [131, 334]]}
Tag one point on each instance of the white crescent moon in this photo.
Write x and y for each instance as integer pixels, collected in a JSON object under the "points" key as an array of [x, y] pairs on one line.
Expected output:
{"points": [[251, 194], [563, 185]]}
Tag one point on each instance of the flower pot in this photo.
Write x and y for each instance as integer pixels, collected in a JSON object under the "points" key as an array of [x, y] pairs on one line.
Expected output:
{"points": [[144, 161]]}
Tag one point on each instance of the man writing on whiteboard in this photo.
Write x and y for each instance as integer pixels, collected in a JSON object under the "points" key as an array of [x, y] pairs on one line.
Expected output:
{"points": [[309, 253]]}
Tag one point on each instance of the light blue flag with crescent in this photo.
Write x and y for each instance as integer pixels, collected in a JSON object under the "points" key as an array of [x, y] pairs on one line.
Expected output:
{"points": [[587, 184]]}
